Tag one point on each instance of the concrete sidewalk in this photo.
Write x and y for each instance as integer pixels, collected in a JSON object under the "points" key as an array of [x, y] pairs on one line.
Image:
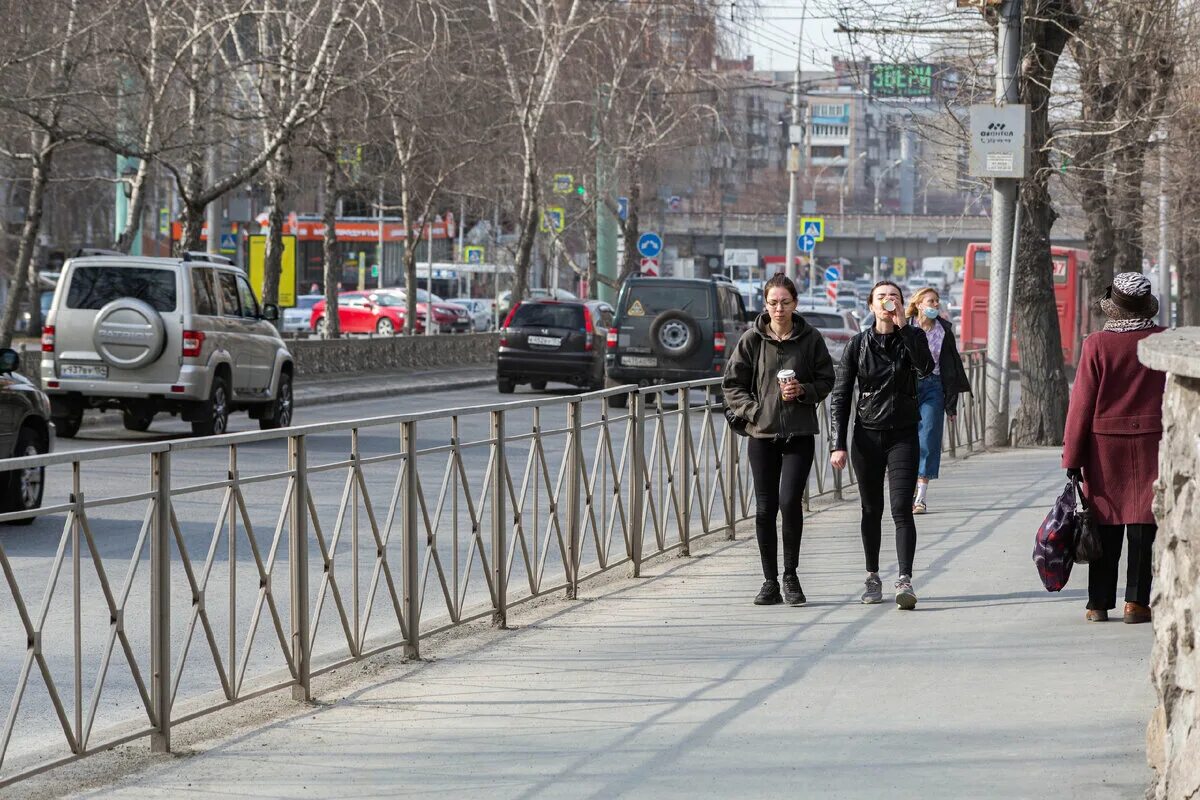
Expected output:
{"points": [[675, 685]]}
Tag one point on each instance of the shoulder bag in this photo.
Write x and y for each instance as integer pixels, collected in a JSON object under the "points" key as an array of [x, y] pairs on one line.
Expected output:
{"points": [[1088, 547]]}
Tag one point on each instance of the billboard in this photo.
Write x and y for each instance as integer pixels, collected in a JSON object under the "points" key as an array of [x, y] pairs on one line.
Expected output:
{"points": [[902, 80], [287, 268]]}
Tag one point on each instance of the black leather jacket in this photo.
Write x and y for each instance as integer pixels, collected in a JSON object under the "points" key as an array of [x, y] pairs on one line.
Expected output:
{"points": [[886, 368]]}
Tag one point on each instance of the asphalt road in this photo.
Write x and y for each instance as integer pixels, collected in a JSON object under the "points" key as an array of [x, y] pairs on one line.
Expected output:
{"points": [[233, 580]]}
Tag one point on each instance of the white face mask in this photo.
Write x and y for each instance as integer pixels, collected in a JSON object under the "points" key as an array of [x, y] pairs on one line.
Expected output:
{"points": [[932, 313]]}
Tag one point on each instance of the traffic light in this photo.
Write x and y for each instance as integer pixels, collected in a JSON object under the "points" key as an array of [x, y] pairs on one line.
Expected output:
{"points": [[581, 190]]}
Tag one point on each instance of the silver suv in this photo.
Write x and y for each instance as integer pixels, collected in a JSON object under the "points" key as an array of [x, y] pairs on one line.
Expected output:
{"points": [[182, 335]]}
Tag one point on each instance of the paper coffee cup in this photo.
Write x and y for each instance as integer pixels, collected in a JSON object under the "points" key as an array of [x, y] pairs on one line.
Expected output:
{"points": [[785, 375]]}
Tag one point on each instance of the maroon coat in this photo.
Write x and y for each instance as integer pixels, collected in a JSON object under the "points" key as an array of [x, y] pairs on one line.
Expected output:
{"points": [[1114, 425]]}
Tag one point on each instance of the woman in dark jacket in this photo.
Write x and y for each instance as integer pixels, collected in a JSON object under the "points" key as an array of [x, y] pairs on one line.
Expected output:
{"points": [[781, 420], [1114, 424], [937, 392], [885, 361]]}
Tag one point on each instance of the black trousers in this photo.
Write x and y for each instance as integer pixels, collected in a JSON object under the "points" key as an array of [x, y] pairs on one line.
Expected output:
{"points": [[1102, 574], [896, 453], [780, 469]]}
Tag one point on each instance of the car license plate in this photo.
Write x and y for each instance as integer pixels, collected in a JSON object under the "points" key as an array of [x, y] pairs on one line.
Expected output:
{"points": [[83, 371], [639, 361], [547, 341]]}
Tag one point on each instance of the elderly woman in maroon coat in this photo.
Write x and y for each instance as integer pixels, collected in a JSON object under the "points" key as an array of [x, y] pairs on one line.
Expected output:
{"points": [[1113, 427]]}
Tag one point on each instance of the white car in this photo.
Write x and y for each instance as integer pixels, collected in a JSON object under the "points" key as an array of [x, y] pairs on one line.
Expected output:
{"points": [[837, 326], [480, 311], [297, 318]]}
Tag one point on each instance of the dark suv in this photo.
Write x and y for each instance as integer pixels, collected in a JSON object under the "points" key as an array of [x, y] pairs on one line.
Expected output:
{"points": [[673, 329], [553, 340]]}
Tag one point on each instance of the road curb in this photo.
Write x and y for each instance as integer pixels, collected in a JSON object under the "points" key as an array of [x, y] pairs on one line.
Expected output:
{"points": [[341, 396]]}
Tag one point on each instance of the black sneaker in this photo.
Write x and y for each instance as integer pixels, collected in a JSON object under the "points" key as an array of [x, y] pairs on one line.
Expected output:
{"points": [[793, 595], [768, 595]]}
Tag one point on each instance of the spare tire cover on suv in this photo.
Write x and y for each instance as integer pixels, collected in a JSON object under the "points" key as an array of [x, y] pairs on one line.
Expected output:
{"points": [[674, 334], [128, 333]]}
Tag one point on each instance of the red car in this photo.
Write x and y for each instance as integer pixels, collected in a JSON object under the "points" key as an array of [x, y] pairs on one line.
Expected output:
{"points": [[447, 317], [380, 313]]}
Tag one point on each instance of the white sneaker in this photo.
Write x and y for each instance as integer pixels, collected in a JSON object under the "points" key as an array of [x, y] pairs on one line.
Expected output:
{"points": [[906, 598]]}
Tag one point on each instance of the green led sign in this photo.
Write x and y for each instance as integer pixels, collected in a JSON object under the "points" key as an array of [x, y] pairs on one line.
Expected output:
{"points": [[902, 80]]}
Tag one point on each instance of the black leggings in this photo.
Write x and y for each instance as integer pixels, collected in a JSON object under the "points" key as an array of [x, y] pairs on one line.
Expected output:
{"points": [[897, 452], [1102, 574], [780, 469]]}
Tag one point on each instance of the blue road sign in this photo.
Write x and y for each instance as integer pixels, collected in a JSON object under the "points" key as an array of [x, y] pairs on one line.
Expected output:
{"points": [[623, 207], [649, 245], [228, 241], [833, 274], [806, 244]]}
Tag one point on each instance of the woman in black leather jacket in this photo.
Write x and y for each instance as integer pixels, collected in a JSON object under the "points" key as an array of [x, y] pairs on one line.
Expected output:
{"points": [[885, 361]]}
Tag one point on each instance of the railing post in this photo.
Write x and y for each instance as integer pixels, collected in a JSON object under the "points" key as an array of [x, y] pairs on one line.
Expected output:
{"points": [[160, 604], [298, 560], [637, 480], [731, 478], [499, 523], [684, 474], [574, 484], [410, 549]]}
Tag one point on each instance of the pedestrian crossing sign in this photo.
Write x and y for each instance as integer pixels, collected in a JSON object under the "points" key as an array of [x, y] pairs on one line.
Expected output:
{"points": [[814, 227]]}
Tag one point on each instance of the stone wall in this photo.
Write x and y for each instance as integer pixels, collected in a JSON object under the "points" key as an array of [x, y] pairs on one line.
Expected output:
{"points": [[334, 356], [376, 354], [1173, 735]]}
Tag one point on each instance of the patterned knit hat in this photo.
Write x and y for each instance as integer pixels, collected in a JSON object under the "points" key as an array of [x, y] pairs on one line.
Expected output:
{"points": [[1129, 297]]}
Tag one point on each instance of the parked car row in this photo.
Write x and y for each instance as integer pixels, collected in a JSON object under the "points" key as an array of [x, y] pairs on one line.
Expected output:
{"points": [[663, 330]]}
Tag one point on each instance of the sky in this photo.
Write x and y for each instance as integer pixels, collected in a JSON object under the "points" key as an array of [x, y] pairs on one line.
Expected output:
{"points": [[770, 33]]}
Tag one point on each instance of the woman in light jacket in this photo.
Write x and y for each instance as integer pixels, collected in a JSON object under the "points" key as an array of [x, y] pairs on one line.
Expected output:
{"points": [[781, 421], [1114, 424], [937, 392]]}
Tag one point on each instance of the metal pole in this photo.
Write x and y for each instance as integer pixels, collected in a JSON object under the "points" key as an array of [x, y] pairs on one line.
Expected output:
{"points": [[1004, 208], [1005, 374], [380, 280], [637, 480], [160, 604], [1164, 254], [298, 563], [574, 485], [496, 262], [731, 476], [875, 268], [411, 549], [499, 523], [685, 472], [795, 140], [430, 319]]}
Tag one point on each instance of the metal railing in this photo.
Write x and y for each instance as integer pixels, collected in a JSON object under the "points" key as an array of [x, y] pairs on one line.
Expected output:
{"points": [[223, 568]]}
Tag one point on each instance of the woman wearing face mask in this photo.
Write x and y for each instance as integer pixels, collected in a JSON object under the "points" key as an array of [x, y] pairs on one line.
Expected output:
{"points": [[885, 361], [776, 377], [938, 392]]}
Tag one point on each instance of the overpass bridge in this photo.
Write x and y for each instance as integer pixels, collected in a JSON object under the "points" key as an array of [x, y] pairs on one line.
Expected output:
{"points": [[857, 237]]}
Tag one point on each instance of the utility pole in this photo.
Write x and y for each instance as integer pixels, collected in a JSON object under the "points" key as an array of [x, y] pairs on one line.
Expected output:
{"points": [[1164, 255], [1004, 207], [795, 139]]}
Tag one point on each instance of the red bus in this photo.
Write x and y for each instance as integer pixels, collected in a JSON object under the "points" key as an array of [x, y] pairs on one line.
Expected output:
{"points": [[1068, 296]]}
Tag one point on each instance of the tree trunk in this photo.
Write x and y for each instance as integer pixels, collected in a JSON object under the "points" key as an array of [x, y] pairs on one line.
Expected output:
{"points": [[1042, 415], [137, 207], [25, 273], [1189, 280], [528, 223], [278, 172], [633, 263], [332, 264], [191, 225], [1127, 207]]}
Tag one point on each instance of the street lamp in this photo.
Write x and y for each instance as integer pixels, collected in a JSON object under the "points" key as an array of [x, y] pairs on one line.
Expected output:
{"points": [[845, 182], [880, 176]]}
